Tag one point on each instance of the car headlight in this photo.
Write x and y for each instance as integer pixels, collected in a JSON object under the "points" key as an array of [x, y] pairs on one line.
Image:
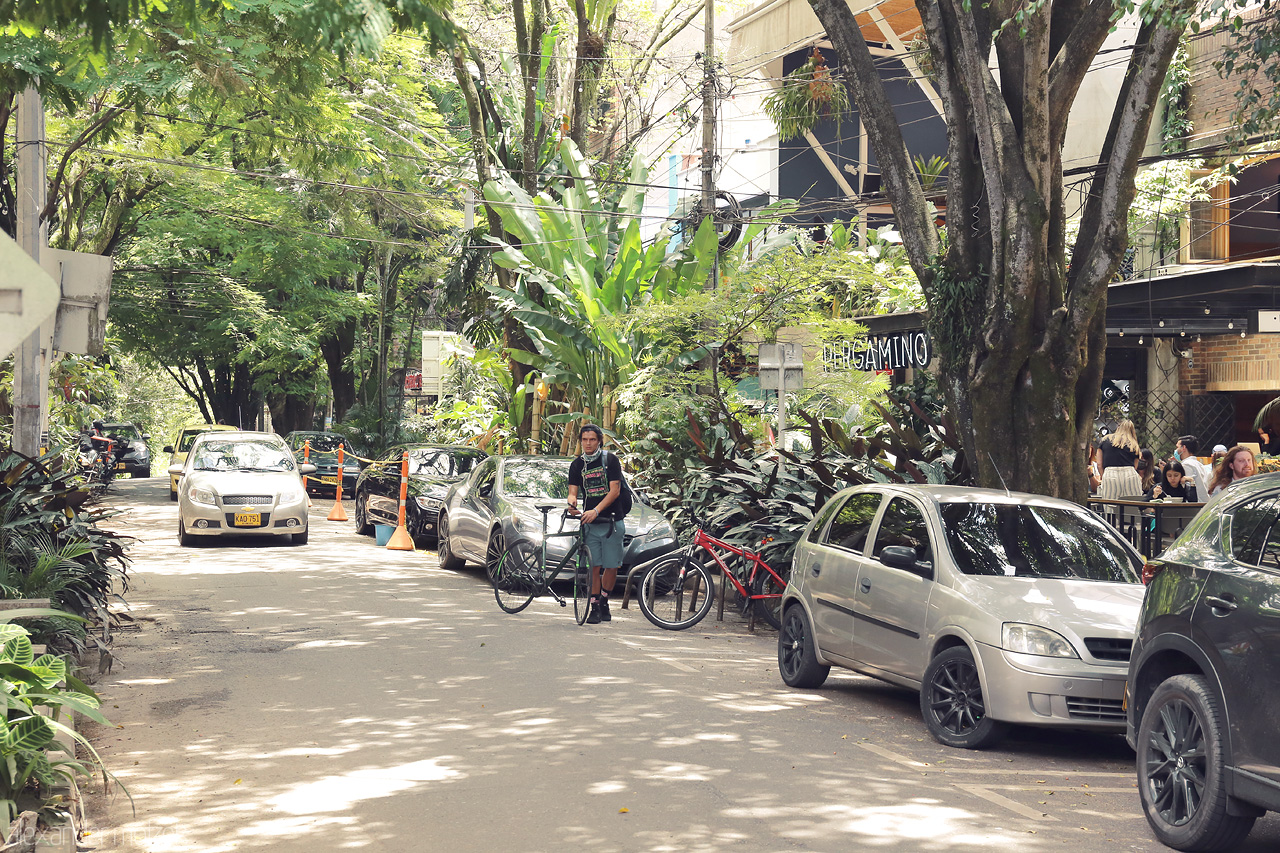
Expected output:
{"points": [[202, 496], [661, 530], [292, 496], [528, 525], [429, 503], [140, 446], [1034, 640]]}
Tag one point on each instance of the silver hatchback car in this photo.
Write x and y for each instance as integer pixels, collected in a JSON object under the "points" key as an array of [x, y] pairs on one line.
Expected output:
{"points": [[998, 607]]}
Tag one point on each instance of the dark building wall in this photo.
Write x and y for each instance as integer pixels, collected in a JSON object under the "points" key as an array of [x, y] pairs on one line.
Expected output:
{"points": [[802, 175]]}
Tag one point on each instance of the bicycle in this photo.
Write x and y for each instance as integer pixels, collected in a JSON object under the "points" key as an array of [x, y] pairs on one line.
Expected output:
{"points": [[523, 574], [677, 591]]}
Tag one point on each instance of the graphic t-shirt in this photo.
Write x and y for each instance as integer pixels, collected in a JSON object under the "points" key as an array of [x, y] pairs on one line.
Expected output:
{"points": [[593, 479]]}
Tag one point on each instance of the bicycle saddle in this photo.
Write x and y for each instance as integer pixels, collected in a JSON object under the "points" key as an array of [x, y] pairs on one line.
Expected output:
{"points": [[546, 507]]}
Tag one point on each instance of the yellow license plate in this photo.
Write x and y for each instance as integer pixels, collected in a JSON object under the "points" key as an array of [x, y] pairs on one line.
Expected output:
{"points": [[248, 519], [329, 481]]}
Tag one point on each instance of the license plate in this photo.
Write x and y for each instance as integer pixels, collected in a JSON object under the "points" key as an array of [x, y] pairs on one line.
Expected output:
{"points": [[329, 481], [248, 519], [120, 466]]}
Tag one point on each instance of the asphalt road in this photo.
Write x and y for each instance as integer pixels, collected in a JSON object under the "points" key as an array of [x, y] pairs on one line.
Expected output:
{"points": [[339, 696]]}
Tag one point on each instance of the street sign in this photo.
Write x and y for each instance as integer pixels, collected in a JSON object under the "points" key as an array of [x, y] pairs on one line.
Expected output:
{"points": [[86, 292], [28, 295], [785, 356]]}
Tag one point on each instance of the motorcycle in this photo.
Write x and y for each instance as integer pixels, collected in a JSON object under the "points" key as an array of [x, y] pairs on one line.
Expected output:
{"points": [[99, 456]]}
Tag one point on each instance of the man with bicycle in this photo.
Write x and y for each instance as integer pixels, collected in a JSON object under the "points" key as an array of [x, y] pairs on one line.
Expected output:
{"points": [[598, 475]]}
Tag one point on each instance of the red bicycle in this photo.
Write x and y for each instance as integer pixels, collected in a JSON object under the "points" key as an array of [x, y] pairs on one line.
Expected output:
{"points": [[678, 590]]}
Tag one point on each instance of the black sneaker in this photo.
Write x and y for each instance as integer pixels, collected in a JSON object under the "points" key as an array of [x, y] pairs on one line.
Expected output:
{"points": [[593, 618], [605, 616]]}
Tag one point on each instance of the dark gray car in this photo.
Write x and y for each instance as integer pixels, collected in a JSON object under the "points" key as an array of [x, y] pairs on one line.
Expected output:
{"points": [[1204, 679], [496, 504]]}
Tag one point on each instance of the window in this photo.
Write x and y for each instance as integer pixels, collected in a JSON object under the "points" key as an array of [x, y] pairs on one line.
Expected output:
{"points": [[1205, 233], [852, 522], [443, 463], [1255, 533], [904, 524], [824, 515], [536, 479], [1017, 540]]}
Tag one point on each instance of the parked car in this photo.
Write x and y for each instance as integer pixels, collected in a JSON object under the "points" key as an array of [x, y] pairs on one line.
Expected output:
{"points": [[1204, 682], [496, 504], [433, 468], [180, 447], [242, 483], [136, 461], [997, 607], [324, 455]]}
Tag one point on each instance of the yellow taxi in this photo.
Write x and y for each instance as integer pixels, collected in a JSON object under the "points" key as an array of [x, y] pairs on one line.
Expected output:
{"points": [[182, 446]]}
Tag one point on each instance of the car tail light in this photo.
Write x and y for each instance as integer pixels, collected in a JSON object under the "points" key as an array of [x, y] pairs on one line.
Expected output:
{"points": [[1150, 569]]}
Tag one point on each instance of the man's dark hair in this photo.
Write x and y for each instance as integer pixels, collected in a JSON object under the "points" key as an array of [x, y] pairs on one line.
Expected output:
{"points": [[592, 428], [1191, 443]]}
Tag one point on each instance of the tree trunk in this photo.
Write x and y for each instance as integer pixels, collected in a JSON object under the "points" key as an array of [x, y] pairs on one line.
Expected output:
{"points": [[336, 349], [1020, 332]]}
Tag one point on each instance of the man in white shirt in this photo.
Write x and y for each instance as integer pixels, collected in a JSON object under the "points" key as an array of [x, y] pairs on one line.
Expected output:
{"points": [[1199, 472]]}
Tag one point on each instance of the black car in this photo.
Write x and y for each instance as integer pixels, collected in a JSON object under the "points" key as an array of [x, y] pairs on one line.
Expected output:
{"points": [[433, 468], [498, 503], [324, 455], [136, 461], [1204, 676]]}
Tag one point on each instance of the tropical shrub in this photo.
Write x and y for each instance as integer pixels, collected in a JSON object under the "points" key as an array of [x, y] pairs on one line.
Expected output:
{"points": [[37, 690], [51, 546], [763, 500]]}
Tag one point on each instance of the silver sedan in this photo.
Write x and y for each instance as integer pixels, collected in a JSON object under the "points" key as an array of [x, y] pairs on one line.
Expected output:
{"points": [[997, 607], [242, 483]]}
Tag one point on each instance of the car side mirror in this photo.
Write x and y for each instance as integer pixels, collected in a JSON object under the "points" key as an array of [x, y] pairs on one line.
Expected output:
{"points": [[175, 470], [485, 490], [306, 468], [168, 448], [904, 557]]}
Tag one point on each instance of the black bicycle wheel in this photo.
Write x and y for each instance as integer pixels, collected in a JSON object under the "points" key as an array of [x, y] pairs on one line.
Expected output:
{"points": [[676, 593], [582, 590], [518, 577], [768, 609]]}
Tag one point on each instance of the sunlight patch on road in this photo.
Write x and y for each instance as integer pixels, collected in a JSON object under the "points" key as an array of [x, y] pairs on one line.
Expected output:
{"points": [[338, 793], [324, 644], [886, 826]]}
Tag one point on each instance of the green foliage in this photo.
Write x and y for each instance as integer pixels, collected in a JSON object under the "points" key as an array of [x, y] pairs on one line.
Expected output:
{"points": [[807, 95], [1250, 59], [51, 545], [956, 317], [764, 500], [929, 170], [37, 690], [1175, 125]]}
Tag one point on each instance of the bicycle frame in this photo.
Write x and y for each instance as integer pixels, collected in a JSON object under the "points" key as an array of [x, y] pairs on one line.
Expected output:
{"points": [[711, 545], [567, 564]]}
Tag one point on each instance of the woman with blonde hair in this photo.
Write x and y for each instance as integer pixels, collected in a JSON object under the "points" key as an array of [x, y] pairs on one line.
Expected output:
{"points": [[1116, 456]]}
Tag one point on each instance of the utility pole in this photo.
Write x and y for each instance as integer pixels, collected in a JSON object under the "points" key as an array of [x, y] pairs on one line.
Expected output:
{"points": [[709, 124], [30, 397]]}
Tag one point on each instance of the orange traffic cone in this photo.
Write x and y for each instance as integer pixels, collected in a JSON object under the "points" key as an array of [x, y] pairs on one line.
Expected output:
{"points": [[400, 539], [338, 513]]}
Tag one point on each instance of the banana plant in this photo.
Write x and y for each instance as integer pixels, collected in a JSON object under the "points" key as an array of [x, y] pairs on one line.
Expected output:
{"points": [[583, 250]]}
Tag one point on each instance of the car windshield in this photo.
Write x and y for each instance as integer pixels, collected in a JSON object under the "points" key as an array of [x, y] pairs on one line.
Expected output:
{"points": [[245, 454], [439, 462], [536, 479], [323, 443], [1035, 541], [186, 439], [128, 432]]}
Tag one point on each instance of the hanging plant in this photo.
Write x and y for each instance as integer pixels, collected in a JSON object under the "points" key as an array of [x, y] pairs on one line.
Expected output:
{"points": [[808, 94]]}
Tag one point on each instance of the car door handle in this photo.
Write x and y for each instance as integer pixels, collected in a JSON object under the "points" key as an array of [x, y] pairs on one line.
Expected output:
{"points": [[865, 584], [1224, 604], [815, 570]]}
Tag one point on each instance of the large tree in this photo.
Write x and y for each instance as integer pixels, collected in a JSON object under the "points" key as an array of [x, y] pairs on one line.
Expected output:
{"points": [[1017, 313]]}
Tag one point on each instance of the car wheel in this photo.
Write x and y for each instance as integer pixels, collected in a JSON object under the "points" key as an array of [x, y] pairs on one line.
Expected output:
{"points": [[449, 561], [493, 554], [301, 538], [185, 539], [363, 527], [953, 705], [797, 656], [1181, 778], [173, 496]]}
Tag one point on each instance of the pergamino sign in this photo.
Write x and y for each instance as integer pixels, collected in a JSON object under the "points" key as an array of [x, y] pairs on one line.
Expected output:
{"points": [[882, 352]]}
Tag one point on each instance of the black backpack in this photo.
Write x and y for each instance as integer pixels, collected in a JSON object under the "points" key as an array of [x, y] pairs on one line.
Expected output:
{"points": [[626, 498]]}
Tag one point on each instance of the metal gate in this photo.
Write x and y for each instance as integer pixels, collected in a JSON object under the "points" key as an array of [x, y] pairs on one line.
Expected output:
{"points": [[1211, 418]]}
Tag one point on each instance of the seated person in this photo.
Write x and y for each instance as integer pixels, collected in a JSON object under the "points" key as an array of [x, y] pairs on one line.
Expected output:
{"points": [[1173, 484]]}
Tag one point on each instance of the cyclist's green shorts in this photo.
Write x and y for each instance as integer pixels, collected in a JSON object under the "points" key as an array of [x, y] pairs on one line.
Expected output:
{"points": [[606, 550]]}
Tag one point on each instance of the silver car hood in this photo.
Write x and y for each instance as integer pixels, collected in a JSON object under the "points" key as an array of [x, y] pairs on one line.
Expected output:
{"points": [[244, 482], [1085, 608]]}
